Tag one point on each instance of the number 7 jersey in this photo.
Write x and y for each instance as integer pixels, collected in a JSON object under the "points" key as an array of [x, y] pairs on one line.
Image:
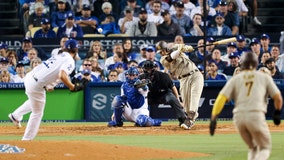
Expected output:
{"points": [[250, 89]]}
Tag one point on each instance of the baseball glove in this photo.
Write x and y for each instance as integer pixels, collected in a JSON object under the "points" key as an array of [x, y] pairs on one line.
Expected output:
{"points": [[80, 85], [141, 83], [277, 117]]}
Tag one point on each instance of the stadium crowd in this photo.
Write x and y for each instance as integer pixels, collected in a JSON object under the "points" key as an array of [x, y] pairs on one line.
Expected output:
{"points": [[67, 19]]}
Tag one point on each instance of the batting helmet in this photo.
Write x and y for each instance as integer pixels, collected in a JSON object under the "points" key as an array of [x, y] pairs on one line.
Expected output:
{"points": [[248, 60], [161, 45]]}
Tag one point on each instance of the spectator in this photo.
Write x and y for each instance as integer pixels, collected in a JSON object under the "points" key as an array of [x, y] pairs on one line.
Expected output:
{"points": [[210, 47], [12, 61], [165, 6], [70, 28], [108, 26], [220, 29], [34, 62], [128, 50], [142, 28], [96, 47], [56, 51], [120, 67], [196, 29], [142, 56], [86, 21], [265, 70], [87, 72], [20, 73], [232, 19], [107, 11], [213, 74], [231, 47], [26, 46], [136, 5], [128, 20], [188, 5], [96, 69], [168, 27], [98, 10], [58, 17], [199, 9], [216, 57], [35, 19], [117, 58], [3, 64], [155, 16], [32, 53], [3, 50], [5, 76], [234, 63], [131, 63], [113, 76], [265, 41], [150, 56], [270, 64], [178, 39], [241, 44], [253, 5], [45, 31], [33, 7], [181, 18], [279, 59], [264, 57], [197, 57], [255, 48], [118, 49]]}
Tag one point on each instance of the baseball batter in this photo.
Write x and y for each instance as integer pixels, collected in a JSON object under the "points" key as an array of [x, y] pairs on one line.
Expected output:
{"points": [[56, 67], [191, 79], [132, 104], [249, 90]]}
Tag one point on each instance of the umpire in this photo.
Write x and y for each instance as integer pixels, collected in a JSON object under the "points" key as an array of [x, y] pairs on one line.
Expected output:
{"points": [[161, 90]]}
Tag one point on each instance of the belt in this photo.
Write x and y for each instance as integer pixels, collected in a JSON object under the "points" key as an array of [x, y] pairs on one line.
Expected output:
{"points": [[188, 74]]}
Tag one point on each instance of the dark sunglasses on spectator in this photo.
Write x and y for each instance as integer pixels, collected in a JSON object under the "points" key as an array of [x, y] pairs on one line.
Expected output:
{"points": [[150, 50], [87, 65]]}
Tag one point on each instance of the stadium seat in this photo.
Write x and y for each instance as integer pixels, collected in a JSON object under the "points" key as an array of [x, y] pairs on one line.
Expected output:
{"points": [[118, 35], [32, 32], [94, 35], [55, 29]]}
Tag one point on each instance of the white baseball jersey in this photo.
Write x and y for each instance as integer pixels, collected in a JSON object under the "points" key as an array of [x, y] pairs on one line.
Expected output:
{"points": [[47, 72], [249, 90]]}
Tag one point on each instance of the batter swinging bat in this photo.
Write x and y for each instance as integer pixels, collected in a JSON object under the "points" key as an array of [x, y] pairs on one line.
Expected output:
{"points": [[223, 41]]}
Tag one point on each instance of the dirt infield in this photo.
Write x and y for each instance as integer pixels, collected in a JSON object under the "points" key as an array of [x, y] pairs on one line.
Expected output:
{"points": [[87, 150]]}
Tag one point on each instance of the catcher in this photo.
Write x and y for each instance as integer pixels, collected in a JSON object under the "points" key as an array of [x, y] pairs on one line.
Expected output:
{"points": [[44, 77], [250, 89], [132, 104], [191, 79]]}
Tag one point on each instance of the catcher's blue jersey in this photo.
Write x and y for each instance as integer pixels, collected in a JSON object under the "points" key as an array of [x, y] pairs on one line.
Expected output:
{"points": [[134, 98]]}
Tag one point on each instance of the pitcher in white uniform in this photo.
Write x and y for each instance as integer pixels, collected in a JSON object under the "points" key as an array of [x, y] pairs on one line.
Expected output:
{"points": [[54, 70]]}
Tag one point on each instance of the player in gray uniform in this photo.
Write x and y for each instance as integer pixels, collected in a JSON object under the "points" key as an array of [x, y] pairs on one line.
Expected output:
{"points": [[250, 89], [191, 79], [58, 67]]}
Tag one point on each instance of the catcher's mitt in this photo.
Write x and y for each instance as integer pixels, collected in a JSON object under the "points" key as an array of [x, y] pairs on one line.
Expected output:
{"points": [[141, 83], [80, 85]]}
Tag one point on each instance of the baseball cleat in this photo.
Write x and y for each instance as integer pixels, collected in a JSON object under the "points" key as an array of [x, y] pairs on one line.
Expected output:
{"points": [[187, 124], [12, 119]]}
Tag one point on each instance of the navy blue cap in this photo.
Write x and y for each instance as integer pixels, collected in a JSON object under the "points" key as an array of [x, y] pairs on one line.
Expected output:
{"points": [[143, 46], [233, 55], [200, 67], [254, 41], [223, 3], [27, 39], [180, 4], [3, 46], [150, 49], [210, 39], [86, 7], [44, 21], [232, 44], [219, 14], [212, 61], [264, 36], [164, 12], [69, 15], [142, 10], [241, 38], [4, 60], [71, 44], [20, 64], [86, 72]]}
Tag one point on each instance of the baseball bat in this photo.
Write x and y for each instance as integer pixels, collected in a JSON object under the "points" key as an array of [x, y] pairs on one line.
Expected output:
{"points": [[223, 41]]}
